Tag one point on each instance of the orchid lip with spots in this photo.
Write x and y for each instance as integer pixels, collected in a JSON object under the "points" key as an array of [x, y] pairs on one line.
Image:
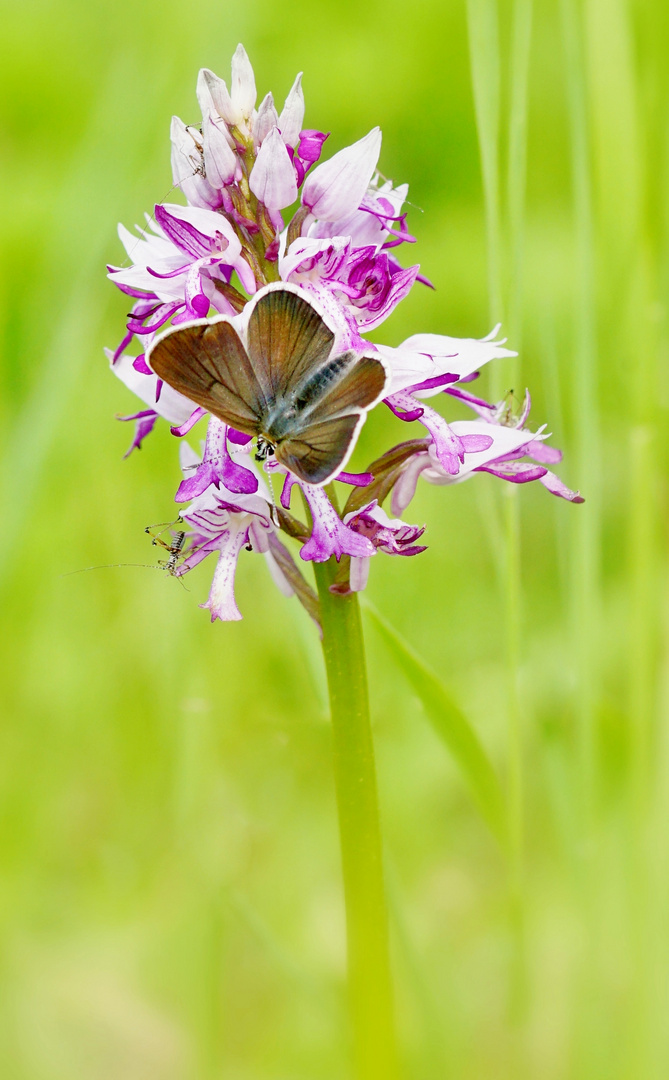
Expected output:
{"points": [[262, 208]]}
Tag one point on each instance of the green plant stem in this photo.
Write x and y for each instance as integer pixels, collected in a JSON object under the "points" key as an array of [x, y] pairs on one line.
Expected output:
{"points": [[370, 986]]}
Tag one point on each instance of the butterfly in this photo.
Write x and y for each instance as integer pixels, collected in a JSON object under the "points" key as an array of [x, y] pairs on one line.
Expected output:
{"points": [[285, 383]]}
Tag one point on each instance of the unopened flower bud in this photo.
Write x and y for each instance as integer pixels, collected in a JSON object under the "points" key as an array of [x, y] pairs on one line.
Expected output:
{"points": [[242, 87], [220, 160], [213, 96], [272, 178], [292, 115], [266, 119]]}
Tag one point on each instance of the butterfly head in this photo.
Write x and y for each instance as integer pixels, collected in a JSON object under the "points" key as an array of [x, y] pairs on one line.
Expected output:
{"points": [[264, 449]]}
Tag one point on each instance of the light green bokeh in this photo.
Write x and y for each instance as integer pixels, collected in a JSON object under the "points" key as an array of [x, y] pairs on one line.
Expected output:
{"points": [[170, 895]]}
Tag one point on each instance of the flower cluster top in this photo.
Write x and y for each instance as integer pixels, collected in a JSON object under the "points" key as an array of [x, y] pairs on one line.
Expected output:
{"points": [[261, 208]]}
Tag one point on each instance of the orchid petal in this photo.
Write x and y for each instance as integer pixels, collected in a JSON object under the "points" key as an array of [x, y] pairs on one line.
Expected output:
{"points": [[547, 455], [242, 86], [516, 472], [336, 187], [266, 119], [448, 446], [221, 600], [311, 146], [405, 488], [144, 424], [192, 420], [425, 356], [219, 158], [553, 484], [359, 574], [212, 94], [272, 178]]}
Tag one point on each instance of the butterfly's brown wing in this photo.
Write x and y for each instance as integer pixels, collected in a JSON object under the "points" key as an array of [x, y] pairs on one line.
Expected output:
{"points": [[287, 340], [207, 362], [318, 453], [357, 382], [334, 402]]}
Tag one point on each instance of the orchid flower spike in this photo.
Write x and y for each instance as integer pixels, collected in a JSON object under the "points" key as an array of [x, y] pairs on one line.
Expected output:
{"points": [[199, 277]]}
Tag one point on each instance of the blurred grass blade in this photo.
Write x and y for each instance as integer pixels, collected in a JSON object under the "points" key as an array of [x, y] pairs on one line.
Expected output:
{"points": [[450, 724], [586, 527], [517, 169], [484, 58], [69, 348]]}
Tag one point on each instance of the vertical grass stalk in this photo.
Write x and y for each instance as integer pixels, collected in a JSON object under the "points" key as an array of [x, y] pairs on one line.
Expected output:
{"points": [[584, 588], [370, 985], [485, 63], [517, 155], [484, 59]]}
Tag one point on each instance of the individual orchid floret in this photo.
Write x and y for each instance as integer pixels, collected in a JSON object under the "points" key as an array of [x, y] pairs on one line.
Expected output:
{"points": [[218, 467], [223, 526], [426, 364], [236, 106], [272, 178], [226, 522], [367, 284], [223, 522], [491, 448], [329, 534], [390, 535], [337, 186], [176, 263], [213, 96]]}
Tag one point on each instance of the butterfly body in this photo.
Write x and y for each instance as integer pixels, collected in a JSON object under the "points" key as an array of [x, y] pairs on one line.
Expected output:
{"points": [[282, 381]]}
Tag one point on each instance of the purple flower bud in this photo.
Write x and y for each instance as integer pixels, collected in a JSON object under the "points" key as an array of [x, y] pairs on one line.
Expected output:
{"points": [[213, 96], [220, 161], [337, 187], [266, 119], [242, 87], [292, 114], [311, 144], [272, 178]]}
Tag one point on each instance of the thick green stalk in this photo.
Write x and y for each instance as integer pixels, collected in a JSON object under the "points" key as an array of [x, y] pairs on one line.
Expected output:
{"points": [[370, 987]]}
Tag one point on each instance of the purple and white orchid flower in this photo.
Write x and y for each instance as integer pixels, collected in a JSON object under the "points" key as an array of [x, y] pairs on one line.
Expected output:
{"points": [[225, 522], [240, 171], [390, 535], [493, 448]]}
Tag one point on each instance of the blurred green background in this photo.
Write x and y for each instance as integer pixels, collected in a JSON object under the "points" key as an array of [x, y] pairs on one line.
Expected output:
{"points": [[170, 895]]}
